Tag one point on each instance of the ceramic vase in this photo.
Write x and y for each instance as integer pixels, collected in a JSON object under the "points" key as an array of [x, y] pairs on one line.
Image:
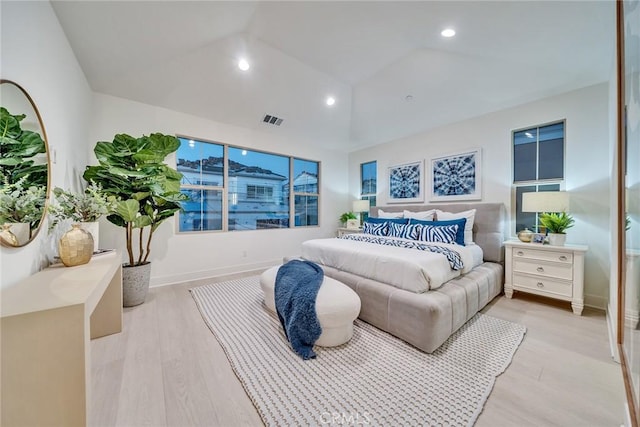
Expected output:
{"points": [[75, 246], [94, 229], [7, 236]]}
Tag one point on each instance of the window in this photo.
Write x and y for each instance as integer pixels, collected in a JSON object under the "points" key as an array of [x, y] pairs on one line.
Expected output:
{"points": [[202, 167], [538, 165], [368, 183], [305, 191], [256, 185]]}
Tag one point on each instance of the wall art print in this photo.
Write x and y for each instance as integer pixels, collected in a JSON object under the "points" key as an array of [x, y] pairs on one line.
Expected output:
{"points": [[456, 176], [406, 183]]}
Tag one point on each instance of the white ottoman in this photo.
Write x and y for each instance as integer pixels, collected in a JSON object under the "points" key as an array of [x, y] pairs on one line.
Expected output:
{"points": [[337, 306]]}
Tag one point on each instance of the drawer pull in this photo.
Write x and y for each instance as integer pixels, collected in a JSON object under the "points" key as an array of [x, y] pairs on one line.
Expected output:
{"points": [[540, 285], [540, 270], [520, 253], [562, 258]]}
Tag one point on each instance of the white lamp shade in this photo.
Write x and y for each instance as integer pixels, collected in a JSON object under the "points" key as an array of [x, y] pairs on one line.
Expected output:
{"points": [[545, 201], [361, 206]]}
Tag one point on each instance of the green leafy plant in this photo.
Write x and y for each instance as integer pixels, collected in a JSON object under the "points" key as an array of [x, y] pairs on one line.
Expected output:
{"points": [[148, 191], [347, 216], [87, 206], [556, 222], [17, 150], [19, 203]]}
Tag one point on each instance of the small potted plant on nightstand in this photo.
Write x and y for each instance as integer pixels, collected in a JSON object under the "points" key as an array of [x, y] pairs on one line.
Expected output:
{"points": [[346, 217], [556, 224]]}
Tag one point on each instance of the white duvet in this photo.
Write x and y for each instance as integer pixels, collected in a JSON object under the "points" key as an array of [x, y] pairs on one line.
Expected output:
{"points": [[410, 269]]}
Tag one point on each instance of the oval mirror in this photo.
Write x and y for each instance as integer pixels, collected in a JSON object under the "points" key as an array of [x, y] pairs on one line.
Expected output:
{"points": [[24, 166]]}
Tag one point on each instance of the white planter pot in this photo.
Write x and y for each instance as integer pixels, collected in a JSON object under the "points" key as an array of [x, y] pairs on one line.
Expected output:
{"points": [[557, 239], [94, 229], [22, 231]]}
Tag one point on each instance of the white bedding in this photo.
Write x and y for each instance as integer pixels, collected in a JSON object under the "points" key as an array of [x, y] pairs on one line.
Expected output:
{"points": [[409, 269]]}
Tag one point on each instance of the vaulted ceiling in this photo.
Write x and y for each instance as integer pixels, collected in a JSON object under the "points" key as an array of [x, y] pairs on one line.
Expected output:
{"points": [[391, 72]]}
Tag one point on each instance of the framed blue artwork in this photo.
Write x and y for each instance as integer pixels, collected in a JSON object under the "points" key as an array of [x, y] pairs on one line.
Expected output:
{"points": [[406, 183], [456, 176]]}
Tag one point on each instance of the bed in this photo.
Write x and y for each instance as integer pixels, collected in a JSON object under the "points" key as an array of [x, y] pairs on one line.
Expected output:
{"points": [[399, 292]]}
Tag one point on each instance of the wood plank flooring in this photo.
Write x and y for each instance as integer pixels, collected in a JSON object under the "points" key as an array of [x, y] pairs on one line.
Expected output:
{"points": [[167, 369]]}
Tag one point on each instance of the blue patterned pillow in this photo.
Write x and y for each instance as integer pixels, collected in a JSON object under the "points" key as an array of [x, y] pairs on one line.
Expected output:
{"points": [[459, 222], [405, 231], [439, 233], [376, 229]]}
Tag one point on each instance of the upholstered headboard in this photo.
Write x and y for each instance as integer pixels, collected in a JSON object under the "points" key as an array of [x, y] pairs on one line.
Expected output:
{"points": [[488, 227]]}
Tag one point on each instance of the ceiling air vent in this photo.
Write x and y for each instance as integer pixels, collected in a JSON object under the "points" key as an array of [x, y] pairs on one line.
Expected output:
{"points": [[272, 120]]}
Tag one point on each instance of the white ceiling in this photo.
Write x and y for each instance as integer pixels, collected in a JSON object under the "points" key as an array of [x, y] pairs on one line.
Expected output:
{"points": [[183, 55]]}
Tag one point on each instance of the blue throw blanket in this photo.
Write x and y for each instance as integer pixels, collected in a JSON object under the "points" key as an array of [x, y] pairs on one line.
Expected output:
{"points": [[296, 289]]}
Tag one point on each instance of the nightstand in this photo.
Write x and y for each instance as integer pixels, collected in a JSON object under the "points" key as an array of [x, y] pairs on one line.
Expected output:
{"points": [[342, 231], [551, 271]]}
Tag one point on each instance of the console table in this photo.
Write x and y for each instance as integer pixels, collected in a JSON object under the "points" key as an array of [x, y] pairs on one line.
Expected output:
{"points": [[47, 322]]}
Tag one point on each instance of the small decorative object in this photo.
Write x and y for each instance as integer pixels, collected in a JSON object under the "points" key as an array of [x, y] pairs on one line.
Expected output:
{"points": [[75, 247], [7, 236], [525, 235], [406, 183], [538, 238], [456, 176]]}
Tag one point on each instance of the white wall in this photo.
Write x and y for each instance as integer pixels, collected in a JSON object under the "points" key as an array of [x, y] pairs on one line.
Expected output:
{"points": [[587, 166], [179, 257], [37, 56]]}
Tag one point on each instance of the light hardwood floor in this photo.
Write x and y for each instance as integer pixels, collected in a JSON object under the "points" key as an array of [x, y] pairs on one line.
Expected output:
{"points": [[167, 369]]}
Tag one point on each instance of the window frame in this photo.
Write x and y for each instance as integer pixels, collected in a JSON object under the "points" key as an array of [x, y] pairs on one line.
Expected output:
{"points": [[536, 182], [224, 188], [371, 197]]}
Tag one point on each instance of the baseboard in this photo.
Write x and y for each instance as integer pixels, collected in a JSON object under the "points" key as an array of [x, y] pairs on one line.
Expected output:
{"points": [[613, 346], [596, 301], [214, 273]]}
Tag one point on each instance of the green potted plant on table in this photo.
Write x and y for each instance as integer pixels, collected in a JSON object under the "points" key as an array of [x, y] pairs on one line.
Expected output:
{"points": [[347, 216], [85, 208], [148, 192], [556, 224]]}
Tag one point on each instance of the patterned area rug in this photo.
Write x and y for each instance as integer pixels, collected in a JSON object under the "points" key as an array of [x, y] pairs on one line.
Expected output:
{"points": [[374, 379]]}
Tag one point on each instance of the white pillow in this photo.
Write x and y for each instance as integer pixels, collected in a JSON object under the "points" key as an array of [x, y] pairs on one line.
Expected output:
{"points": [[383, 214], [470, 215], [422, 216]]}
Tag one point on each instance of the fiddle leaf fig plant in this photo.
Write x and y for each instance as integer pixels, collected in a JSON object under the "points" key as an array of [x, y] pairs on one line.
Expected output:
{"points": [[17, 150], [147, 190]]}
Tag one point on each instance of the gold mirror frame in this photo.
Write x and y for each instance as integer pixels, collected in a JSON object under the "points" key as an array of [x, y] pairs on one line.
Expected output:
{"points": [[7, 239], [627, 186]]}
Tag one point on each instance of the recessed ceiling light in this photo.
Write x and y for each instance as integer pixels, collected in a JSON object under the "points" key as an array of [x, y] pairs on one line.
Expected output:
{"points": [[448, 32], [330, 101], [243, 64], [408, 98]]}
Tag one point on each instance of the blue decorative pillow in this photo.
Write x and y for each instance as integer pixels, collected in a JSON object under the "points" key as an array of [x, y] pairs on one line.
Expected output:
{"points": [[439, 233], [405, 231], [459, 222], [394, 220], [376, 229]]}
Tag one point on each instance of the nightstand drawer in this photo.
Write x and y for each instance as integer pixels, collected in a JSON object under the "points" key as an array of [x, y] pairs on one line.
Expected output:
{"points": [[541, 284], [552, 270], [543, 255]]}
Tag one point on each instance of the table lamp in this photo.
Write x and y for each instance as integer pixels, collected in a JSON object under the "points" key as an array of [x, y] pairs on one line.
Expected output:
{"points": [[361, 206]]}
